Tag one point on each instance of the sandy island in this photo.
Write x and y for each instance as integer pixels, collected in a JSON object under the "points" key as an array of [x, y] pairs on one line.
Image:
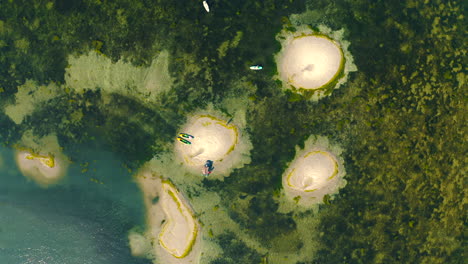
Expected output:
{"points": [[313, 62], [314, 173], [310, 62], [172, 229], [41, 159], [214, 139]]}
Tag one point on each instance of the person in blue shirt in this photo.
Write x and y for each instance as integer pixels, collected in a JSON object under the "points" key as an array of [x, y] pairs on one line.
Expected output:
{"points": [[208, 168]]}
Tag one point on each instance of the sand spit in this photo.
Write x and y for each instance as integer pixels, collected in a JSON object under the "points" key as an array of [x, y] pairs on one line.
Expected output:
{"points": [[41, 159], [172, 229]]}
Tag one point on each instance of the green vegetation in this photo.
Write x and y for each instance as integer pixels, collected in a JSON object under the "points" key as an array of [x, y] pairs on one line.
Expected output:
{"points": [[234, 251], [401, 122], [400, 119]]}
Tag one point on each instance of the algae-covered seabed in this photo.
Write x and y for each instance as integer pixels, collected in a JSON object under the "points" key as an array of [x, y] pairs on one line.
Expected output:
{"points": [[400, 120]]}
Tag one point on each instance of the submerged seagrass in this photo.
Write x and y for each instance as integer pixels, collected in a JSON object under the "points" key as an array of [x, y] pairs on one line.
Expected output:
{"points": [[122, 78]]}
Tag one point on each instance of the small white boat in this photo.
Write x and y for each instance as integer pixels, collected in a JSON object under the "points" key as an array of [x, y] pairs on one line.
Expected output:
{"points": [[256, 67], [207, 8]]}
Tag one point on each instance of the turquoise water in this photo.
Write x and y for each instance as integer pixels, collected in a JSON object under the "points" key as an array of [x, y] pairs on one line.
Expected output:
{"points": [[400, 120], [79, 221]]}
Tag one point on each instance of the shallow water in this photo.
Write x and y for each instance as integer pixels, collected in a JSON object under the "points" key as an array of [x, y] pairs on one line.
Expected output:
{"points": [[399, 121], [79, 221]]}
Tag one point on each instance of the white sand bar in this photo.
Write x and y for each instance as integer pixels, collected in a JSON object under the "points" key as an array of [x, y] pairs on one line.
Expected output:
{"points": [[41, 159], [312, 176], [180, 230], [313, 171], [310, 62], [214, 140], [171, 225], [44, 169]]}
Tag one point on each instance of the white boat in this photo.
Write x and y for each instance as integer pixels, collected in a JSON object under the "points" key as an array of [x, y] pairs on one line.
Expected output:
{"points": [[256, 67], [207, 8]]}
